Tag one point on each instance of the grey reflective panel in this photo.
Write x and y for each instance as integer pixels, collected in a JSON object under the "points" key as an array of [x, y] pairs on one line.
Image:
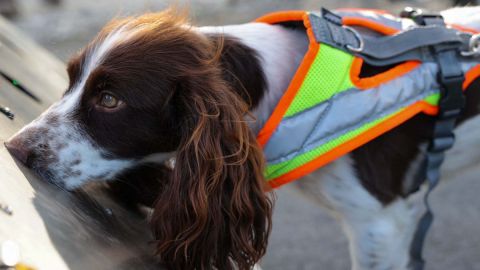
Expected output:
{"points": [[346, 112]]}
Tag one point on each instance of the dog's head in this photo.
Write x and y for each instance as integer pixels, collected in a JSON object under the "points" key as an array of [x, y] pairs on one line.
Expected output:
{"points": [[150, 87]]}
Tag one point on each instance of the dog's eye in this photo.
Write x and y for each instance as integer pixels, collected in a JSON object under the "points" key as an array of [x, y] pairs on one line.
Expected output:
{"points": [[109, 101]]}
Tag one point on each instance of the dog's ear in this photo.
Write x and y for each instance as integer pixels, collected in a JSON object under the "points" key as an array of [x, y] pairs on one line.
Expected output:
{"points": [[214, 212]]}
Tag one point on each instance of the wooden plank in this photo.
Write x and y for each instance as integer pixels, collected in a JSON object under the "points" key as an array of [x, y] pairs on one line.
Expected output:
{"points": [[56, 229]]}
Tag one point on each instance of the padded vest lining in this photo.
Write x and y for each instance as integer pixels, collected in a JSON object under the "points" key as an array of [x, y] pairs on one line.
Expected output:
{"points": [[369, 70]]}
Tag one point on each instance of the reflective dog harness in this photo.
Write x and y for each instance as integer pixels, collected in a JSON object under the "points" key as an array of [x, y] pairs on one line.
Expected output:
{"points": [[331, 107], [335, 103]]}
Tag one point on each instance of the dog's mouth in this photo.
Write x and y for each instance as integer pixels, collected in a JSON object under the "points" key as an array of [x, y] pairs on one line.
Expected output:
{"points": [[49, 176], [43, 173]]}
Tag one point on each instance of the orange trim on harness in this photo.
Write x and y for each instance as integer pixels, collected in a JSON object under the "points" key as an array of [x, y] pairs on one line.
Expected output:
{"points": [[471, 76], [463, 28], [370, 82], [374, 81], [277, 115], [282, 16]]}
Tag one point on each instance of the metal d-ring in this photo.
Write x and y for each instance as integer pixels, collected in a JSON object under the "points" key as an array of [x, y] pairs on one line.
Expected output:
{"points": [[473, 46], [361, 44]]}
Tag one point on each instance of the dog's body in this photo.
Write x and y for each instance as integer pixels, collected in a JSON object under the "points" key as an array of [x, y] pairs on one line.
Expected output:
{"points": [[150, 88]]}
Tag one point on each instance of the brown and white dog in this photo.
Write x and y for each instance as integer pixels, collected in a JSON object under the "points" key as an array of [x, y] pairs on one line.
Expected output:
{"points": [[153, 87]]}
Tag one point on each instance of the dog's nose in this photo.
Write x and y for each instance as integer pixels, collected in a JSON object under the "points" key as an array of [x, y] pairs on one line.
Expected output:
{"points": [[18, 149]]}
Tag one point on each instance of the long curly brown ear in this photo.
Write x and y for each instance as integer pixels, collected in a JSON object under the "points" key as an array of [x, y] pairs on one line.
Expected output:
{"points": [[214, 212]]}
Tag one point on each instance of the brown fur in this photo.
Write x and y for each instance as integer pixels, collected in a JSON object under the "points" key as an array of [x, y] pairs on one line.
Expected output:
{"points": [[213, 212]]}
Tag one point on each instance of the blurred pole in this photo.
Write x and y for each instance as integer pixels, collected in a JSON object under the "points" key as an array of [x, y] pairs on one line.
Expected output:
{"points": [[465, 2], [53, 2], [8, 8]]}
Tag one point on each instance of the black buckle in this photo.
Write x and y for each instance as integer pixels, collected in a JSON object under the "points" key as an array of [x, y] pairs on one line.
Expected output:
{"points": [[452, 99], [418, 15], [331, 17]]}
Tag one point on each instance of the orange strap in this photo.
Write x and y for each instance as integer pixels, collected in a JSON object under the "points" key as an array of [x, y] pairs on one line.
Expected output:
{"points": [[284, 103]]}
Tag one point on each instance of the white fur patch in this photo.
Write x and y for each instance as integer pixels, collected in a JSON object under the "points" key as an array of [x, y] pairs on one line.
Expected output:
{"points": [[464, 16], [379, 236], [68, 103], [281, 50], [71, 157]]}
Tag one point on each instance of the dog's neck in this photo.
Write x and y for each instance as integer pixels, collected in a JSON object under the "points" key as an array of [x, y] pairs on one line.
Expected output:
{"points": [[264, 59]]}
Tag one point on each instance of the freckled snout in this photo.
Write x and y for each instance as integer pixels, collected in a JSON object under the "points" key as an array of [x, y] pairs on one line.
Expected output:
{"points": [[60, 153], [19, 149], [29, 146]]}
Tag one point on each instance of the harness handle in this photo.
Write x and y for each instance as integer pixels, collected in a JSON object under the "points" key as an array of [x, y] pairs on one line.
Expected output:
{"points": [[409, 45], [451, 103]]}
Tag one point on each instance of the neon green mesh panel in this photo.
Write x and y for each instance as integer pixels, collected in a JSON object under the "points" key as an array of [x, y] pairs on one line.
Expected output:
{"points": [[276, 170], [329, 74]]}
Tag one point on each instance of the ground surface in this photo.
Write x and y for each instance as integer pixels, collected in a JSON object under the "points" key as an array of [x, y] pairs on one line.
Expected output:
{"points": [[304, 236]]}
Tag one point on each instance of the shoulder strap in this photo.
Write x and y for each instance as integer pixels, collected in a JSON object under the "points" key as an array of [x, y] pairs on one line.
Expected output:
{"points": [[411, 44]]}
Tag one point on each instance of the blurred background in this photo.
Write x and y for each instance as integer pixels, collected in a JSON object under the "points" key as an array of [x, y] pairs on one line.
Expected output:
{"points": [[64, 26], [304, 236]]}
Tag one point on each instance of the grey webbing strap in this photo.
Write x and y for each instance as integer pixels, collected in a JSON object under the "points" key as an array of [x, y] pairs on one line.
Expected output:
{"points": [[407, 45], [430, 170], [420, 54], [327, 28], [408, 40], [450, 105]]}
